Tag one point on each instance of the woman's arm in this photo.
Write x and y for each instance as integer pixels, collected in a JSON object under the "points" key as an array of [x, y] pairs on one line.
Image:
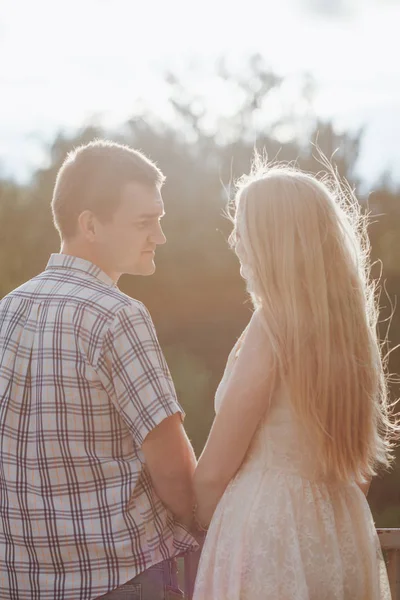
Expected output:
{"points": [[245, 400]]}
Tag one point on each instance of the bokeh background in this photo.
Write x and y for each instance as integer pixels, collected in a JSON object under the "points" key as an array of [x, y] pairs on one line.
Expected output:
{"points": [[196, 86]]}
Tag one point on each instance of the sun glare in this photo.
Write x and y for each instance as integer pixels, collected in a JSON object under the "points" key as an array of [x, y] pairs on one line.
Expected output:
{"points": [[70, 62]]}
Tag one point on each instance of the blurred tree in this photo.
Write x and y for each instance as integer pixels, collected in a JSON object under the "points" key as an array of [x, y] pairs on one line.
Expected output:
{"points": [[193, 387], [197, 297]]}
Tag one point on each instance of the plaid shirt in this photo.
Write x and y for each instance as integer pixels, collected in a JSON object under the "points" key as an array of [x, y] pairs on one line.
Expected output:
{"points": [[82, 382]]}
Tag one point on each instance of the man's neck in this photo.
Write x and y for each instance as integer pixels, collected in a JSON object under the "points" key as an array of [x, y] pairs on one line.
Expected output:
{"points": [[77, 250]]}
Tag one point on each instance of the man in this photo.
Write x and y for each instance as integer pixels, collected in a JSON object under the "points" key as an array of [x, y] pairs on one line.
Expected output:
{"points": [[95, 466]]}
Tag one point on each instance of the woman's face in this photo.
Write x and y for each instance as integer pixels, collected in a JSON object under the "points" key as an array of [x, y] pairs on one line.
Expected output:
{"points": [[241, 254]]}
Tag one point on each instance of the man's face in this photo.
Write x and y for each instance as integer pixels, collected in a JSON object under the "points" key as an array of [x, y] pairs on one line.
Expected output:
{"points": [[128, 241]]}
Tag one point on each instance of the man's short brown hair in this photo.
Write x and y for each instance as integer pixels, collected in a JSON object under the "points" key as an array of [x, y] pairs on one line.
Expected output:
{"points": [[92, 177]]}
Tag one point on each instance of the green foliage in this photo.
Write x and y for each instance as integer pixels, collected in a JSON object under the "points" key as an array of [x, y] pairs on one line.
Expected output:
{"points": [[389, 517], [192, 381]]}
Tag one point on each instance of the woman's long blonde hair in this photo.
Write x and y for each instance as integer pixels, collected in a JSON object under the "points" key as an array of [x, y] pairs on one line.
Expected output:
{"points": [[305, 255]]}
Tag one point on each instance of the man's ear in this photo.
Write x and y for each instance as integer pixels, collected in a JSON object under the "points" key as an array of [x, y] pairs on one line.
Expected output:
{"points": [[87, 224]]}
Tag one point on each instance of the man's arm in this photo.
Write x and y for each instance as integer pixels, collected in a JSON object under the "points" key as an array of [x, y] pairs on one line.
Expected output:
{"points": [[171, 462], [137, 378]]}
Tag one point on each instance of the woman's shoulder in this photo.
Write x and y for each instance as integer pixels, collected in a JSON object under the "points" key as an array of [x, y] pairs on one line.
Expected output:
{"points": [[254, 329]]}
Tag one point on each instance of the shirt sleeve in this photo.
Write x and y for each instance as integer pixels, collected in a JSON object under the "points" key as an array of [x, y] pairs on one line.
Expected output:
{"points": [[135, 372]]}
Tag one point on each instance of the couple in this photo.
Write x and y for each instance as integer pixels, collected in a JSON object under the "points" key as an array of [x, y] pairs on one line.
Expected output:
{"points": [[99, 488]]}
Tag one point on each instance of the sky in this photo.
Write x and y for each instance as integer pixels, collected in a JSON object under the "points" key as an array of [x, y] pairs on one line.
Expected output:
{"points": [[65, 63]]}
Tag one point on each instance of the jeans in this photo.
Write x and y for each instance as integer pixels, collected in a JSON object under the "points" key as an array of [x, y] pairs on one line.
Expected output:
{"points": [[159, 582]]}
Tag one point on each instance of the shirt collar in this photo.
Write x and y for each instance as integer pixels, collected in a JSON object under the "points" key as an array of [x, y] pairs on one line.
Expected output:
{"points": [[66, 261]]}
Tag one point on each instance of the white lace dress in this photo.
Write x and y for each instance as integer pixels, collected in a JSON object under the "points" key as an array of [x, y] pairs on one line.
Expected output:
{"points": [[279, 533]]}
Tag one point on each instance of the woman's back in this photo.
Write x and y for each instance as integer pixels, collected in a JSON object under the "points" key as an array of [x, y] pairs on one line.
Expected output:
{"points": [[280, 441]]}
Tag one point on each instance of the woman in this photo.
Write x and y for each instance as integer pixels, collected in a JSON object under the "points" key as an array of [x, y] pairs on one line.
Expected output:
{"points": [[302, 419]]}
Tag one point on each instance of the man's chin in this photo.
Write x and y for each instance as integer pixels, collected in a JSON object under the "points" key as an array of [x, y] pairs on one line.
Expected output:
{"points": [[143, 270], [149, 270]]}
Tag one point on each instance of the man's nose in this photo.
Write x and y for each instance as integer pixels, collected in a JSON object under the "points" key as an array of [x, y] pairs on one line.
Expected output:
{"points": [[158, 237]]}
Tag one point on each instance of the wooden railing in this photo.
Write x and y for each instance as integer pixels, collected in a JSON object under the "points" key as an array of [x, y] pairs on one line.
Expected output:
{"points": [[390, 542]]}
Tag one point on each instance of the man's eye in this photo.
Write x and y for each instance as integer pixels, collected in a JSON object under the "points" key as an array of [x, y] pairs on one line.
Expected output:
{"points": [[141, 224]]}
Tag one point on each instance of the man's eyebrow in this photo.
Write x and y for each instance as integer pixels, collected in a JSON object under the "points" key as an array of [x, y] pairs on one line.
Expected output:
{"points": [[155, 215]]}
